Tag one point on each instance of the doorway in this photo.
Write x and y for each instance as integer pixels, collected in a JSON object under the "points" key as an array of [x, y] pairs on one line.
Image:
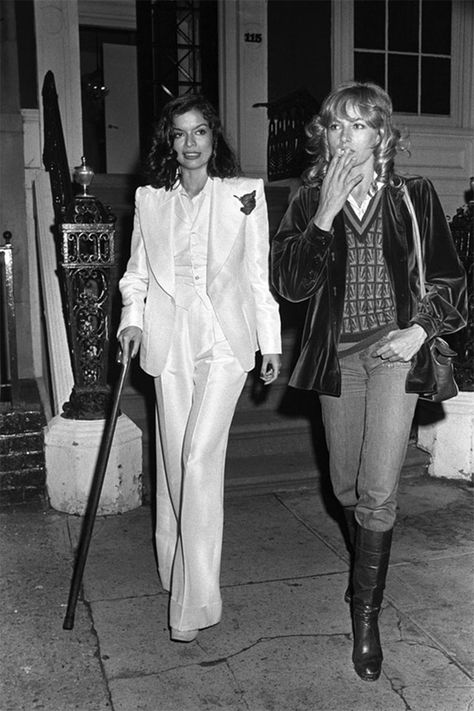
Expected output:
{"points": [[109, 87]]}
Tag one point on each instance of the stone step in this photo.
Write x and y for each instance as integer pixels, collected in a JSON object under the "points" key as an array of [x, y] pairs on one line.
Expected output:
{"points": [[256, 432], [21, 442], [21, 422], [22, 459], [26, 479], [276, 422], [25, 489], [284, 470], [262, 433], [277, 404], [297, 469]]}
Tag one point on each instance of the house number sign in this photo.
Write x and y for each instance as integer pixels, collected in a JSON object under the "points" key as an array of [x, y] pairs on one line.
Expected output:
{"points": [[253, 37]]}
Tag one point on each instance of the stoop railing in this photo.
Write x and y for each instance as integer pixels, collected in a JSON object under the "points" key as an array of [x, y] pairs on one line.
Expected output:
{"points": [[287, 118], [9, 385]]}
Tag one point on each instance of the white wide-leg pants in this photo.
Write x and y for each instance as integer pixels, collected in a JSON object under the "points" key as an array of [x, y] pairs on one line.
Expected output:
{"points": [[196, 397]]}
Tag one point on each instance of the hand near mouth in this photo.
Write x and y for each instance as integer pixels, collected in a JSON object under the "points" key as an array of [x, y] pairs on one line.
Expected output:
{"points": [[341, 178]]}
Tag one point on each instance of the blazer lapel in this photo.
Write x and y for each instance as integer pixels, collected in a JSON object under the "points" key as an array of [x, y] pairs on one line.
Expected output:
{"points": [[158, 217], [225, 221]]}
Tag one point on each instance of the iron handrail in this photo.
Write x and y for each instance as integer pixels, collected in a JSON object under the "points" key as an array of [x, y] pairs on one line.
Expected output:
{"points": [[9, 384]]}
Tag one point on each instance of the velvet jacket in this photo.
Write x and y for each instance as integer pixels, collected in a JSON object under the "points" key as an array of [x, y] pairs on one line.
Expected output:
{"points": [[310, 263]]}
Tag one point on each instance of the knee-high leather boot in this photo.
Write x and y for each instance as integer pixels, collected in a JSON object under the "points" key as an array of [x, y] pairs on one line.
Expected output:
{"points": [[351, 535], [372, 554]]}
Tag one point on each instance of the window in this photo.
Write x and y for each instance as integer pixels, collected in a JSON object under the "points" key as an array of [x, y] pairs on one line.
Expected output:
{"points": [[405, 46]]}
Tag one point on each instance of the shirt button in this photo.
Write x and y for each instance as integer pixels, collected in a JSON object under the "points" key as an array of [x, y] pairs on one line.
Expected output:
{"points": [[196, 277]]}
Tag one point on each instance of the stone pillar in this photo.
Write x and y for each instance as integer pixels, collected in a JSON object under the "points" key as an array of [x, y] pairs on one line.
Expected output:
{"points": [[72, 448], [446, 431], [243, 56]]}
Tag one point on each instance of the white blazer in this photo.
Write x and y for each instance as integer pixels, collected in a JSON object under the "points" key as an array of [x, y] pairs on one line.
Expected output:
{"points": [[237, 272]]}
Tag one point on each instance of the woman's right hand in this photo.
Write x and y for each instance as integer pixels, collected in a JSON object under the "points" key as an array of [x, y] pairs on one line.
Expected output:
{"points": [[130, 339], [336, 187]]}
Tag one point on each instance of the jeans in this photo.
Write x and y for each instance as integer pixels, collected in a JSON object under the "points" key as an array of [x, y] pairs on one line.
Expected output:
{"points": [[367, 430]]}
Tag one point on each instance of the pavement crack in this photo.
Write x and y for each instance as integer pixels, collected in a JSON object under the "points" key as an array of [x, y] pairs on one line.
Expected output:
{"points": [[261, 640], [214, 662], [97, 652], [312, 529], [237, 686], [398, 689], [292, 580], [429, 642], [271, 638]]}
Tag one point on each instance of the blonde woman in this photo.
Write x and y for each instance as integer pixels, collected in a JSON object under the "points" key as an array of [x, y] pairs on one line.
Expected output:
{"points": [[346, 246]]}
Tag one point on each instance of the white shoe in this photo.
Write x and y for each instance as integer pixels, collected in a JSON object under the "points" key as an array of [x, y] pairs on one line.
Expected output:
{"points": [[183, 635]]}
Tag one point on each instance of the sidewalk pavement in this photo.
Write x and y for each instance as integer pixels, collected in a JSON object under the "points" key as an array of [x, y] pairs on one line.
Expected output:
{"points": [[284, 643]]}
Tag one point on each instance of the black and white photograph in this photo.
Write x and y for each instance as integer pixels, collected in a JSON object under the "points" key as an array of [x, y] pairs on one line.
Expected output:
{"points": [[237, 355]]}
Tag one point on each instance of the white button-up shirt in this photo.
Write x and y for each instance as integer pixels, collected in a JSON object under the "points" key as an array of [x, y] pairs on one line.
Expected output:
{"points": [[361, 209], [190, 241]]}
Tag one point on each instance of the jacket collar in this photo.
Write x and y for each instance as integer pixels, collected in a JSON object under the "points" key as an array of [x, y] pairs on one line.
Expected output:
{"points": [[158, 221]]}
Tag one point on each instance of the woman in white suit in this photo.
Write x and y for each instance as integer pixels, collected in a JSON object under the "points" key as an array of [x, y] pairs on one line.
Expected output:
{"points": [[197, 304]]}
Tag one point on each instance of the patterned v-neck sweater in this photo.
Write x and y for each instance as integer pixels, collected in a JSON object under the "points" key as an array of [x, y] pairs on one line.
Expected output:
{"points": [[369, 308]]}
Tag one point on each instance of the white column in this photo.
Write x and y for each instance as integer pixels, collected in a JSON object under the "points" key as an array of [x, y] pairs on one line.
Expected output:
{"points": [[33, 164], [57, 49], [62, 379], [243, 81]]}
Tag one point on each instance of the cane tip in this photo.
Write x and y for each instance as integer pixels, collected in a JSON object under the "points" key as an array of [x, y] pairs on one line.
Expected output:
{"points": [[68, 623]]}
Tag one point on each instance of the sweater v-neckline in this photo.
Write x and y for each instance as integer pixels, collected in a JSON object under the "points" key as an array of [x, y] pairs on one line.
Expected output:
{"points": [[361, 225]]}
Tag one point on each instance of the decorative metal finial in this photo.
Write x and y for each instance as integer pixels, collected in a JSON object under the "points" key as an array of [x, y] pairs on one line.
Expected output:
{"points": [[83, 175]]}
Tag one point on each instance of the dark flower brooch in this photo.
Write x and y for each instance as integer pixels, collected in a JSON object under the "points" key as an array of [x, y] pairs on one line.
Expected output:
{"points": [[248, 202]]}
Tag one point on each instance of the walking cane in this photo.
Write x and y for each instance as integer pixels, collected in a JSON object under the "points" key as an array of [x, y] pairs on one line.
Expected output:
{"points": [[94, 495]]}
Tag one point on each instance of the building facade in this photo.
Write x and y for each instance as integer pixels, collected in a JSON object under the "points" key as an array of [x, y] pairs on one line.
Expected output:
{"points": [[265, 50]]}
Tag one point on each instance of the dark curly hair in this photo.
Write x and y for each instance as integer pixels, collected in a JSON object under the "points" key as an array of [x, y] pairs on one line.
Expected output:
{"points": [[162, 165], [370, 102]]}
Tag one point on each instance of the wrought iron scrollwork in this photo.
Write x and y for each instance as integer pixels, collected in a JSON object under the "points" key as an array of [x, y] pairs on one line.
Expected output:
{"points": [[85, 234], [88, 261]]}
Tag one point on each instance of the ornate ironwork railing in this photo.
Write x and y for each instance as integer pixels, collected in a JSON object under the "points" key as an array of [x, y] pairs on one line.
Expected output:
{"points": [[87, 260], [54, 152], [8, 348], [462, 229], [287, 118], [84, 234]]}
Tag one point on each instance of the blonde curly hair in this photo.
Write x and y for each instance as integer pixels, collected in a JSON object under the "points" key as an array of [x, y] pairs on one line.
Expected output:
{"points": [[371, 103]]}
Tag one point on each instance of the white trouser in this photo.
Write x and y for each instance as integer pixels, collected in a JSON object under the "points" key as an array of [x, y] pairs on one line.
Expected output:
{"points": [[196, 397]]}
